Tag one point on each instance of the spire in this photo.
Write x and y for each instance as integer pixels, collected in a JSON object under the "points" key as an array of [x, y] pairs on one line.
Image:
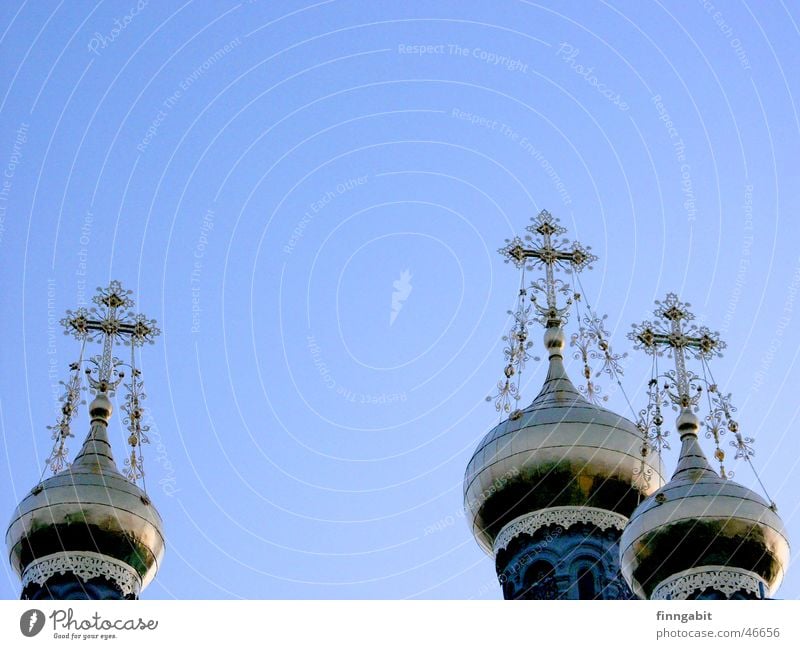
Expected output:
{"points": [[557, 388], [95, 454], [692, 462]]}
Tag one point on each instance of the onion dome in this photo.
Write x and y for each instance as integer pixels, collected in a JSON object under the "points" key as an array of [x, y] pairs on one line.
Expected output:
{"points": [[88, 520], [701, 532], [562, 454]]}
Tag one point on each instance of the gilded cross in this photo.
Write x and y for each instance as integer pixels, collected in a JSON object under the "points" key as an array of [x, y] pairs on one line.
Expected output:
{"points": [[540, 248], [112, 321], [672, 331]]}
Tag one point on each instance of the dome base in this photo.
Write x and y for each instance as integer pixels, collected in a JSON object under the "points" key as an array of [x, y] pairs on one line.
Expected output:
{"points": [[562, 517], [80, 575], [712, 582]]}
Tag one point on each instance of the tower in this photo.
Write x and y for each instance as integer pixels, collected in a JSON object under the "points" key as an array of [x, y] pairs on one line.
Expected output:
{"points": [[702, 535], [88, 531], [549, 490]]}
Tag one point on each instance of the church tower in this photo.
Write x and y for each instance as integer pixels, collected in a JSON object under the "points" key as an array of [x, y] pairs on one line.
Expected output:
{"points": [[550, 489], [88, 531], [702, 535]]}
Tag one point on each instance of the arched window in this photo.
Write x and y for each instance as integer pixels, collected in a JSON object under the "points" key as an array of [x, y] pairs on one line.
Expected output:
{"points": [[587, 585], [539, 582]]}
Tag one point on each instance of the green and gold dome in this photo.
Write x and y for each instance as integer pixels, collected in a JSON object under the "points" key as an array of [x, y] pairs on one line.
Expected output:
{"points": [[562, 452], [703, 533], [88, 520], [88, 531]]}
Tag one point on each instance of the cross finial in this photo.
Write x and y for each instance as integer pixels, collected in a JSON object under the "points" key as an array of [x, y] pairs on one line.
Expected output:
{"points": [[109, 322], [539, 248], [672, 331]]}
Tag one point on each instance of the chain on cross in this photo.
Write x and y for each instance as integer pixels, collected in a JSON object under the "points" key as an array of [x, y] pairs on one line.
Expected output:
{"points": [[539, 248], [673, 332], [110, 322]]}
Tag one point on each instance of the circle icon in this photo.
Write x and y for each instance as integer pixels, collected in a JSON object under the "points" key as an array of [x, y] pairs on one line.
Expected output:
{"points": [[31, 622]]}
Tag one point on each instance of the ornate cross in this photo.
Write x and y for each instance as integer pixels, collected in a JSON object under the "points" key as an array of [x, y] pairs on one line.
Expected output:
{"points": [[537, 249], [672, 332], [544, 251], [106, 321], [112, 321]]}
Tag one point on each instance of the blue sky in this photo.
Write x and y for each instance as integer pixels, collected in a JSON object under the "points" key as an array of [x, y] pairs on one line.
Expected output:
{"points": [[261, 174]]}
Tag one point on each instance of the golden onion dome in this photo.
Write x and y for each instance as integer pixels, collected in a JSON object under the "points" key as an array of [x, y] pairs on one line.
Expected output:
{"points": [[561, 451], [88, 519], [702, 531]]}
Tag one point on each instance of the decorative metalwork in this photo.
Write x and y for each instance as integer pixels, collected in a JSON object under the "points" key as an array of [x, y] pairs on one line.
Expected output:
{"points": [[551, 316], [643, 474], [516, 353], [721, 419], [598, 333], [718, 421], [724, 579], [110, 321], [564, 517], [105, 321], [137, 431], [649, 422], [70, 401], [678, 337], [682, 386], [100, 371], [551, 255], [743, 446], [85, 566], [651, 419], [583, 343], [591, 343], [538, 249]]}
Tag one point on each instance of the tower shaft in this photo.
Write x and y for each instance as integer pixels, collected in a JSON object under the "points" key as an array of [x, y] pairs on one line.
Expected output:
{"points": [[563, 553]]}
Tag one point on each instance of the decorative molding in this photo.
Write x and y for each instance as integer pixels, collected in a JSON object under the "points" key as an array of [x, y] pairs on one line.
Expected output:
{"points": [[724, 579], [85, 566], [564, 517]]}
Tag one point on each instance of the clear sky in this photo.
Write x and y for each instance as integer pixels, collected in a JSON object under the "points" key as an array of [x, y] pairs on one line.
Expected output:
{"points": [[265, 175]]}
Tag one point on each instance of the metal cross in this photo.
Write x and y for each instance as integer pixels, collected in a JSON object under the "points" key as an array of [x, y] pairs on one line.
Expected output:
{"points": [[109, 320], [671, 332], [544, 251]]}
